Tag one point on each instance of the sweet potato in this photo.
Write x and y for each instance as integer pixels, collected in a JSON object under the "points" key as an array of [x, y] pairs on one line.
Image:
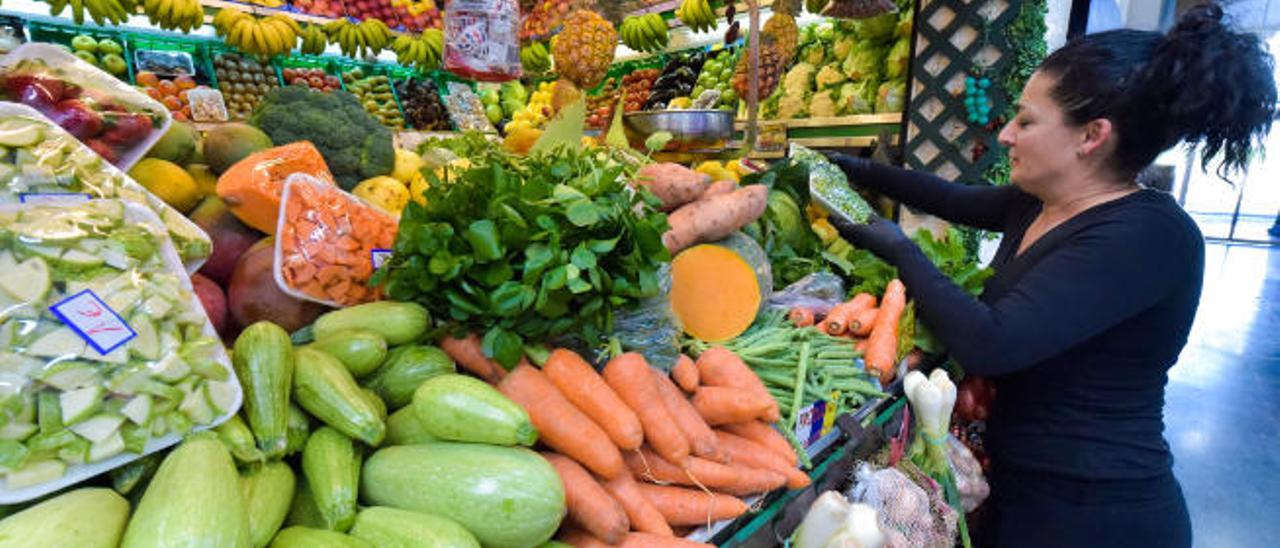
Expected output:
{"points": [[719, 187], [715, 217], [674, 184]]}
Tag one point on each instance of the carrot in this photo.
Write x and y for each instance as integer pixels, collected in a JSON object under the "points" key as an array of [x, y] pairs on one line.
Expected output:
{"points": [[764, 435], [651, 467], [720, 405], [561, 426], [644, 517], [469, 354], [860, 345], [581, 539], [842, 316], [863, 322], [720, 367], [647, 540], [754, 481], [748, 453], [702, 441], [682, 506], [630, 376], [882, 346], [589, 504], [801, 316], [580, 383], [686, 374]]}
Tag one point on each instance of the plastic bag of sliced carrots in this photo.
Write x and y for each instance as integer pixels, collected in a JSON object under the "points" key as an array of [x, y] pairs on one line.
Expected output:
{"points": [[329, 243], [645, 456]]}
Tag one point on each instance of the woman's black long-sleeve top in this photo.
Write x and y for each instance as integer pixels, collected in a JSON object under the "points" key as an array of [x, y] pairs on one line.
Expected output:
{"points": [[1078, 332]]}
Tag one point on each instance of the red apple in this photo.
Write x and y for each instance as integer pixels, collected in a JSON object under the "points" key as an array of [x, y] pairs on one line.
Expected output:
{"points": [[231, 238], [213, 299]]}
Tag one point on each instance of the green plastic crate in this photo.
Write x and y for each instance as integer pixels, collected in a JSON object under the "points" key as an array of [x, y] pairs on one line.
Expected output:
{"points": [[201, 59], [54, 33]]}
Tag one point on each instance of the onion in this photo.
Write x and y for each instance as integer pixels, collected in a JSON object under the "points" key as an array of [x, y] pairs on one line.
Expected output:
{"points": [[826, 516]]}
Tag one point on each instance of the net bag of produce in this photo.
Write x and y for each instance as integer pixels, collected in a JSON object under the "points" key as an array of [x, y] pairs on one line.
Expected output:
{"points": [[329, 243], [970, 482], [481, 39], [108, 354], [909, 515]]}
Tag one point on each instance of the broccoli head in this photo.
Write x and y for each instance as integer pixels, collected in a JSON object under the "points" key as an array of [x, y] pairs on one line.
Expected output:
{"points": [[354, 144]]}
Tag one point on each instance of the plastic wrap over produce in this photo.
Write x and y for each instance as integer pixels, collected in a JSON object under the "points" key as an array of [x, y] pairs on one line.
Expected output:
{"points": [[910, 516], [650, 328], [329, 243], [819, 292], [481, 39], [466, 110], [116, 120], [106, 354], [42, 162]]}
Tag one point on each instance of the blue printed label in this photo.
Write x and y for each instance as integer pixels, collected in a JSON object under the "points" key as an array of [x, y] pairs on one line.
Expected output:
{"points": [[53, 197], [379, 257], [94, 321]]}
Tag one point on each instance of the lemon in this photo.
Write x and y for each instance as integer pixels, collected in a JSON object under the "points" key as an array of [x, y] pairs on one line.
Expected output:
{"points": [[419, 185], [407, 164], [383, 193], [205, 180], [168, 181]]}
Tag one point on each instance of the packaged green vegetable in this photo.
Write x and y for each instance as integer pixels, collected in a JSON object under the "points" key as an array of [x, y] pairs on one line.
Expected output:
{"points": [[109, 354]]}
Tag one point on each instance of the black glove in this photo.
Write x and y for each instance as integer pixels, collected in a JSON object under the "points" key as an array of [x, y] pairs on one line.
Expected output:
{"points": [[878, 235], [848, 164]]}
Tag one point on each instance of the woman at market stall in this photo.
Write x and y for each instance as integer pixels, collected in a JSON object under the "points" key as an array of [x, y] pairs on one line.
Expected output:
{"points": [[1097, 280]]}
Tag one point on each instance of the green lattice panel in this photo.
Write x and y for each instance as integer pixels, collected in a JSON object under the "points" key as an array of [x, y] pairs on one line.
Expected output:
{"points": [[955, 38]]}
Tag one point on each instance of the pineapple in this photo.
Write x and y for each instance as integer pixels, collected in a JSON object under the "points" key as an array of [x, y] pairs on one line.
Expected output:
{"points": [[772, 65], [584, 49], [782, 28]]}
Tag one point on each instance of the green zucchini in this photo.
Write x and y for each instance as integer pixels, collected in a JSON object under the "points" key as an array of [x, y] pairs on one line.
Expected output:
{"points": [[239, 440], [554, 544], [361, 350], [406, 368], [84, 518], [507, 497], [331, 465], [264, 363], [193, 500], [377, 403], [268, 491], [384, 526], [462, 408], [138, 473], [299, 429], [303, 511], [326, 390], [399, 323], [306, 537], [405, 428]]}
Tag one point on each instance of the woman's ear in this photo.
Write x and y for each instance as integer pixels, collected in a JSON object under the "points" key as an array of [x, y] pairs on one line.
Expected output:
{"points": [[1093, 136]]}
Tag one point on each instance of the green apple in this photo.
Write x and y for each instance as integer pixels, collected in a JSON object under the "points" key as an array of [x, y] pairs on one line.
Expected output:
{"points": [[115, 64], [107, 45], [494, 113], [84, 42], [88, 57]]}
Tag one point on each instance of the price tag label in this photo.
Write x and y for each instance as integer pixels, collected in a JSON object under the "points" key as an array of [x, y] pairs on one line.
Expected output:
{"points": [[379, 257], [809, 423], [53, 197], [94, 321]]}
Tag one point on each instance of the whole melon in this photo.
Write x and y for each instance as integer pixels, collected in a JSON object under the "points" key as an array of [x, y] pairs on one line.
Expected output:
{"points": [[177, 145], [230, 143]]}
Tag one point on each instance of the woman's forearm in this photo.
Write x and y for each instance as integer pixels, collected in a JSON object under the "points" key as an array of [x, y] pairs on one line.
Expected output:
{"points": [[984, 207]]}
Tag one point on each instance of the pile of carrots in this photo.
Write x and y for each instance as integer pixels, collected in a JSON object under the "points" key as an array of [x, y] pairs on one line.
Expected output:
{"points": [[644, 456], [873, 328]]}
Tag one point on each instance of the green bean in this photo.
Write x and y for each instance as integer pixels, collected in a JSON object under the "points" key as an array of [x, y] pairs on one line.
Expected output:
{"points": [[800, 378]]}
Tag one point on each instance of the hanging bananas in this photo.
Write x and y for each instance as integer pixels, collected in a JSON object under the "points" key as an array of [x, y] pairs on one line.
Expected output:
{"points": [[313, 40], [697, 15], [358, 40], [815, 6], [268, 36], [536, 58], [646, 33], [102, 12], [425, 51], [183, 15]]}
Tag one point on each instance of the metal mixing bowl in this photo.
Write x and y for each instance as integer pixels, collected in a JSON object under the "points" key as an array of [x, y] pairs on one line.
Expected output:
{"points": [[690, 129]]}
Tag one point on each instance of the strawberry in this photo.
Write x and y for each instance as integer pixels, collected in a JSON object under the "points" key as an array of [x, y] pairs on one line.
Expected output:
{"points": [[103, 149], [127, 128], [77, 118]]}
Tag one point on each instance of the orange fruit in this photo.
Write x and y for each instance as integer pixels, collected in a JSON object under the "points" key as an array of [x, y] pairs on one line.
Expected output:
{"points": [[154, 93], [182, 96], [172, 103], [148, 78], [168, 88], [185, 82], [179, 116]]}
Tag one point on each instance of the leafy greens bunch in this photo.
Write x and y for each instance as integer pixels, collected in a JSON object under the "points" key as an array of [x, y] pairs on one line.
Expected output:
{"points": [[529, 248]]}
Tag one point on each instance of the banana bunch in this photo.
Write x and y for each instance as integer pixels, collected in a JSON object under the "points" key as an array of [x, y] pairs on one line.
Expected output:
{"points": [[265, 36], [266, 3], [697, 15], [357, 40], [102, 12], [815, 6], [426, 51], [536, 58], [647, 33], [184, 15], [313, 40]]}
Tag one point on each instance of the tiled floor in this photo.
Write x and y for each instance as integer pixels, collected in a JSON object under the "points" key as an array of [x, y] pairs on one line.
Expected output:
{"points": [[1223, 402]]}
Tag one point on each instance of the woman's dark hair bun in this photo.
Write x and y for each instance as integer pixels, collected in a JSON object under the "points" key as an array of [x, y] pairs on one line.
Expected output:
{"points": [[1203, 83]]}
